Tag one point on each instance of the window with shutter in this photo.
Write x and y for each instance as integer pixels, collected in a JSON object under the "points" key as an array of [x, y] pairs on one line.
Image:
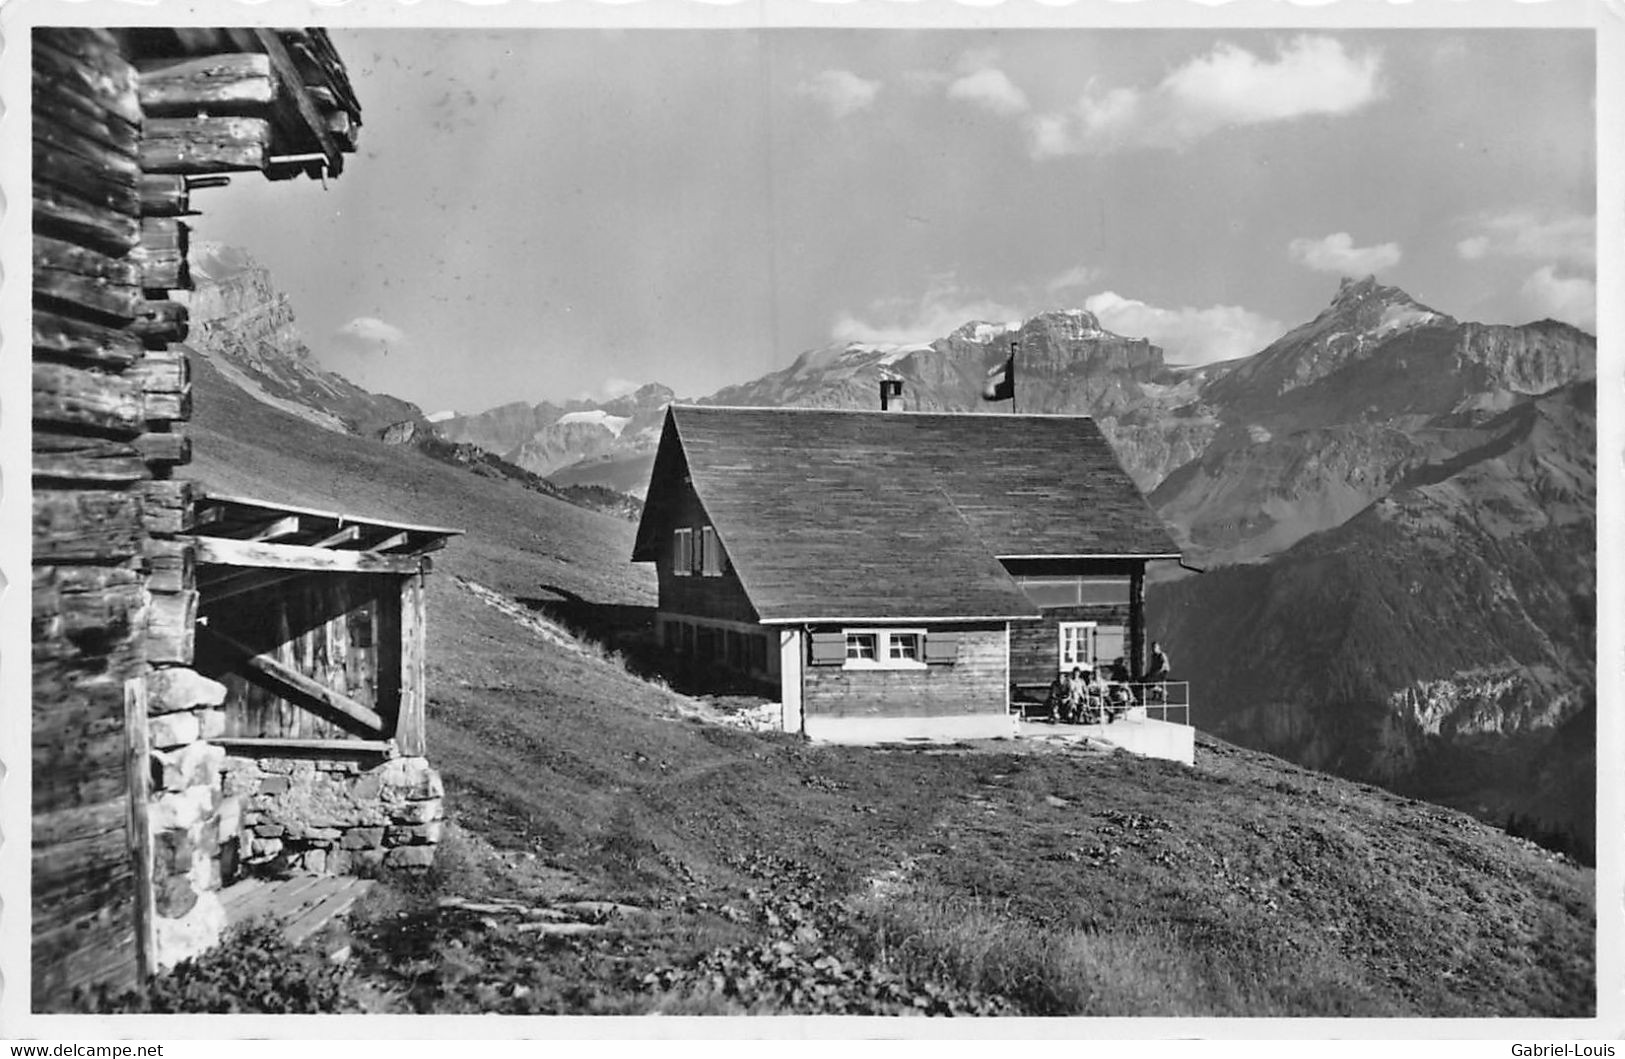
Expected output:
{"points": [[710, 553], [827, 648], [1109, 644], [941, 648], [682, 562]]}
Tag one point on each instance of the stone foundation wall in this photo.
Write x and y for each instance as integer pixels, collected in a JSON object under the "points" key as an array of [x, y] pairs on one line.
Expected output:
{"points": [[333, 816], [186, 813]]}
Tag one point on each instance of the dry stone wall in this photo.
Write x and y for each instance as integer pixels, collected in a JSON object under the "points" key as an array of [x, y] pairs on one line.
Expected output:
{"points": [[333, 816]]}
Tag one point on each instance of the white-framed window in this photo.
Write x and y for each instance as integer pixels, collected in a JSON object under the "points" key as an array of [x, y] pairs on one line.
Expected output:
{"points": [[885, 649], [682, 552], [1088, 644], [1075, 591]]}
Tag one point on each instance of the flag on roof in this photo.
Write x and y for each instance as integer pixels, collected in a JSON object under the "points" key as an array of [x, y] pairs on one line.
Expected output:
{"points": [[1001, 379]]}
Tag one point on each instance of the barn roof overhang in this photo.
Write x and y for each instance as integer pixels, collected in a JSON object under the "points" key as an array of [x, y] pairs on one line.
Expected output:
{"points": [[244, 544]]}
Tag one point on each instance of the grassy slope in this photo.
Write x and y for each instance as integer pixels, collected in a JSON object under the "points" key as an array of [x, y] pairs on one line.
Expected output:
{"points": [[1062, 883]]}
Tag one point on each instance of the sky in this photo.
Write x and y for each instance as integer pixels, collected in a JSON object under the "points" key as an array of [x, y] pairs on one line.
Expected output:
{"points": [[545, 214]]}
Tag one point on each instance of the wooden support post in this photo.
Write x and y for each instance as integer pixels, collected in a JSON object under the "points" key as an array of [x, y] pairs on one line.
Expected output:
{"points": [[138, 772], [411, 721], [296, 682], [1136, 621]]}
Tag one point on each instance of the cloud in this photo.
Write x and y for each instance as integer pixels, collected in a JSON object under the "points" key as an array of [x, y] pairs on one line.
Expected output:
{"points": [[842, 91], [1337, 253], [1228, 87], [1565, 238], [990, 89], [934, 315], [371, 331], [1073, 278], [1572, 299], [1189, 336]]}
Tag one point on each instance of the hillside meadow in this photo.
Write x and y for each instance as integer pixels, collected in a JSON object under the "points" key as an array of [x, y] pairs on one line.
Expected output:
{"points": [[734, 872]]}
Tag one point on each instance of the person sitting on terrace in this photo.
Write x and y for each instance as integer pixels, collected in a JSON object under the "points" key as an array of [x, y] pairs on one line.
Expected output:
{"points": [[1055, 701], [1117, 695], [1077, 695]]}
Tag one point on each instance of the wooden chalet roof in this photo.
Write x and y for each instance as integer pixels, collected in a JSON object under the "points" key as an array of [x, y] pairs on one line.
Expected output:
{"points": [[842, 514]]}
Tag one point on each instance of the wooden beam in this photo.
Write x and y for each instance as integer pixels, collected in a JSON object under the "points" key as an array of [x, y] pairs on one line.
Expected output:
{"points": [[75, 457], [172, 628], [297, 682], [86, 525], [359, 746], [165, 447], [226, 552], [286, 526], [394, 540], [58, 337], [105, 286], [348, 533], [227, 83], [171, 565], [164, 195], [166, 507], [87, 400], [205, 145], [64, 213], [410, 722]]}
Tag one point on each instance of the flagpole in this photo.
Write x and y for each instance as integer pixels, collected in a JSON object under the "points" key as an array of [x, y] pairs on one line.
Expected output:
{"points": [[1013, 346]]}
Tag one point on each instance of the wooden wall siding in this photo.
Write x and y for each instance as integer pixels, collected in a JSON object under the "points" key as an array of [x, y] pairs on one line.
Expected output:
{"points": [[976, 683], [88, 530], [713, 597], [1035, 645], [341, 631]]}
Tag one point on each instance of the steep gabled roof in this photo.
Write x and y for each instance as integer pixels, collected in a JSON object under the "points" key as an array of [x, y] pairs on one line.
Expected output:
{"points": [[840, 514]]}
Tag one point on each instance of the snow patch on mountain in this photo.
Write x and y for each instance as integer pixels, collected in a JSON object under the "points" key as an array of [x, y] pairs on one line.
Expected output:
{"points": [[612, 423], [1399, 317], [441, 417]]}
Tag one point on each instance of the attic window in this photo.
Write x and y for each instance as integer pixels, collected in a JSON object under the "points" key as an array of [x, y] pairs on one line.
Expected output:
{"points": [[682, 562], [712, 563]]}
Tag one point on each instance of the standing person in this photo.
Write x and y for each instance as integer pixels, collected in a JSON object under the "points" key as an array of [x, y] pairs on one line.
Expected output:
{"points": [[1077, 695], [1157, 673]]}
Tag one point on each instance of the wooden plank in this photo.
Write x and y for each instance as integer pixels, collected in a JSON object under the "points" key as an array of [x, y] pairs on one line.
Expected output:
{"points": [[160, 321], [226, 552], [410, 723], [368, 746], [105, 286], [85, 525], [59, 457], [137, 768], [205, 145], [165, 376], [58, 337], [337, 900], [227, 83], [300, 684], [61, 212], [172, 628]]}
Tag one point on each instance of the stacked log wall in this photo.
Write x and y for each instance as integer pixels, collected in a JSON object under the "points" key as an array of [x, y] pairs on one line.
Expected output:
{"points": [[89, 534]]}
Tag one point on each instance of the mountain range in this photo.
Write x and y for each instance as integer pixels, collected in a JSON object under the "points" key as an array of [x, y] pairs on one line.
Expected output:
{"points": [[1395, 511]]}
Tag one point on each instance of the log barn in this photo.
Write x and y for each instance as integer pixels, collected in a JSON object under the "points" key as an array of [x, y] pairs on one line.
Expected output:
{"points": [[896, 574], [200, 663]]}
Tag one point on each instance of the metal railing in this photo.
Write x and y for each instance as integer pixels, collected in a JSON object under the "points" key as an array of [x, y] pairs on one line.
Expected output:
{"points": [[1163, 700]]}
